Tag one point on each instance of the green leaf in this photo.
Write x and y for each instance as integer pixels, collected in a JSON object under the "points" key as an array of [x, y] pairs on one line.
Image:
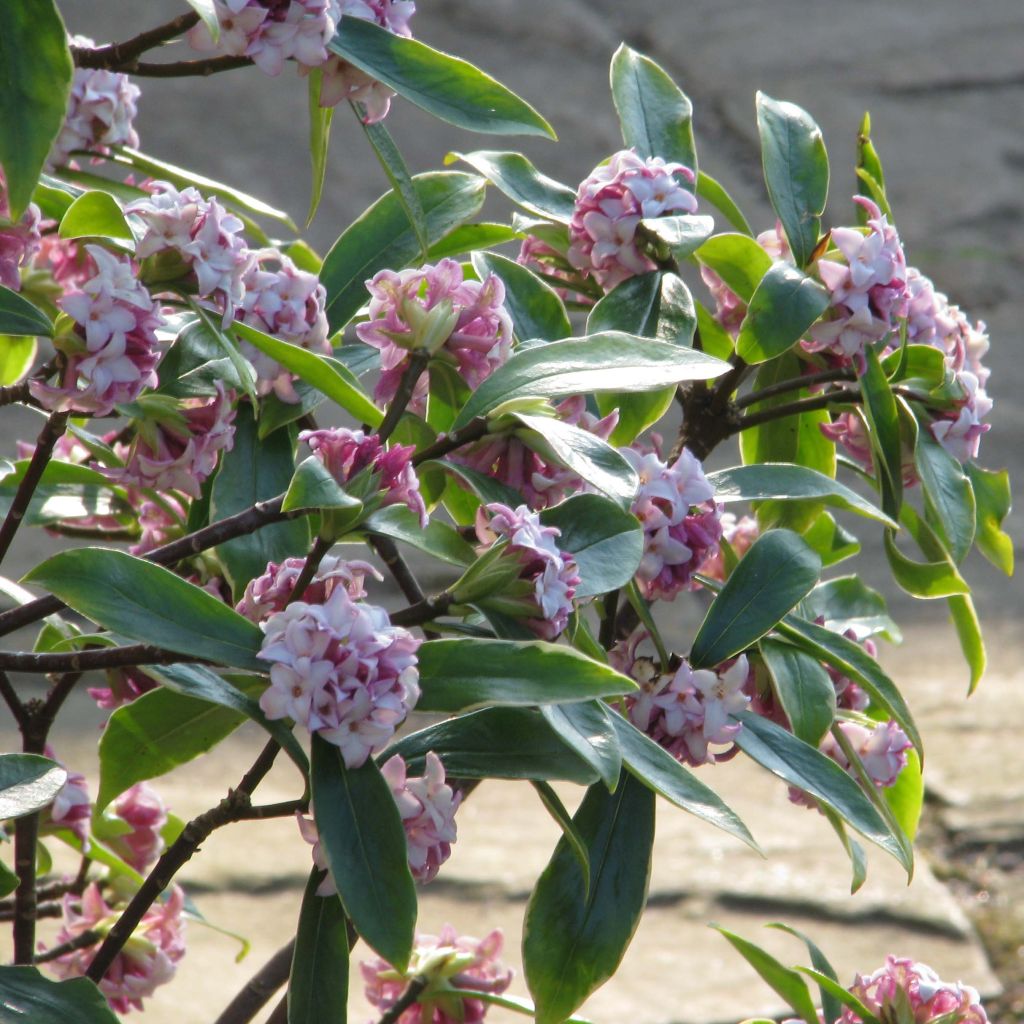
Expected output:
{"points": [[19, 317], [830, 1006], [654, 305], [26, 995], [535, 308], [882, 415], [198, 359], [554, 806], [712, 191], [361, 832], [255, 470], [906, 796], [243, 369], [992, 493], [37, 77], [384, 238], [586, 728], [795, 170], [783, 306], [840, 995], [968, 630], [575, 938], [8, 880], [805, 767], [319, 140], [869, 170], [517, 178], [847, 602], [606, 541], [438, 539], [447, 87], [318, 982], [149, 604], [609, 361], [207, 12], [96, 215], [469, 238], [714, 339], [17, 354], [65, 491], [788, 482], [804, 689], [682, 235], [587, 455], [313, 486], [657, 769], [465, 673], [775, 574], [785, 981], [28, 783], [948, 493], [654, 113], [738, 260], [486, 488], [324, 373], [501, 743], [855, 852], [932, 579]]}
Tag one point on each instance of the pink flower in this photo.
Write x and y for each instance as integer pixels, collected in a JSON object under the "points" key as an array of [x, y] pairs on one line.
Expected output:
{"points": [[271, 592], [550, 264], [309, 832], [19, 242], [882, 749], [867, 282], [610, 205], [542, 595], [346, 453], [146, 962], [682, 525], [342, 670], [123, 686], [450, 962], [101, 111], [142, 809], [65, 260], [739, 534], [160, 521], [71, 807], [506, 458], [289, 304], [113, 353], [427, 806], [904, 983], [433, 308]]}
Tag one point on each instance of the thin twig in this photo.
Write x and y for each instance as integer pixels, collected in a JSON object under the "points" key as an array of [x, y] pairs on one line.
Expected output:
{"points": [[83, 941], [186, 68], [114, 55], [388, 551], [406, 386], [801, 405], [259, 988], [316, 555], [412, 992], [12, 700], [793, 384], [283, 809], [422, 611], [52, 909], [88, 660], [26, 832], [472, 431]]}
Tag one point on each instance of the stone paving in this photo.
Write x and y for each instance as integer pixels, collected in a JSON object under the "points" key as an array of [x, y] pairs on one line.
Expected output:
{"points": [[943, 81]]}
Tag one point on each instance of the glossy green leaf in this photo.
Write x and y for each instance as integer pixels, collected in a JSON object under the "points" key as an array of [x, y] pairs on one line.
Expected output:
{"points": [[830, 1006], [318, 982], [795, 170], [654, 113], [255, 470], [28, 783], [65, 491], [948, 493], [586, 728], [19, 317], [438, 539], [244, 371], [445, 86], [657, 769], [207, 12], [8, 880], [840, 995], [785, 981], [787, 482], [554, 806], [869, 169], [714, 339], [805, 690], [775, 574], [854, 851], [992, 494], [362, 835], [469, 238], [654, 305], [26, 996], [149, 604], [609, 361], [518, 179], [485, 487], [384, 238], [968, 630], [574, 938], [197, 361], [938, 578], [314, 486], [535, 308], [605, 540], [275, 414], [882, 415], [319, 140], [805, 767], [846, 603], [738, 260], [679, 236], [713, 192], [782, 308], [17, 354], [906, 796], [324, 373], [96, 215], [37, 75], [499, 743], [465, 673]]}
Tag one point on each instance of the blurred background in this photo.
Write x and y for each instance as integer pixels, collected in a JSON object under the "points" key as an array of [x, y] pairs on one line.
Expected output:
{"points": [[944, 83]]}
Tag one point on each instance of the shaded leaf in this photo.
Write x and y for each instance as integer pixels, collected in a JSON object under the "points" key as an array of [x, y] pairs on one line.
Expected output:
{"points": [[586, 728], [318, 981], [26, 995], [28, 783]]}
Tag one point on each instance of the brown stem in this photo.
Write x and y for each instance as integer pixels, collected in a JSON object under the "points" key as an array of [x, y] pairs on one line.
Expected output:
{"points": [[26, 832], [185, 68], [47, 714], [52, 909], [406, 386], [15, 393], [48, 437], [12, 700], [83, 941], [422, 611], [259, 988], [114, 55], [793, 384], [388, 551], [316, 555], [283, 809], [801, 405], [88, 660], [472, 431], [412, 992]]}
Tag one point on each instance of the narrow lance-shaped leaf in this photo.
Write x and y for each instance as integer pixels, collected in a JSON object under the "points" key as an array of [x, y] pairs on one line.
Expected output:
{"points": [[992, 493], [535, 308], [26, 995], [586, 728], [28, 783], [318, 982], [554, 806], [19, 317], [807, 694], [518, 179], [882, 415], [712, 191], [829, 1005], [319, 140]]}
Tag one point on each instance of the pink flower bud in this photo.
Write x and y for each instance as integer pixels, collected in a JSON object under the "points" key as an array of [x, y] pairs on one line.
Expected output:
{"points": [[19, 242], [142, 809], [71, 807]]}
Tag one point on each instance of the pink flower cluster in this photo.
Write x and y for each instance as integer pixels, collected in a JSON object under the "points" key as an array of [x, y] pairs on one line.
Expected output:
{"points": [[160, 522], [144, 812], [867, 282], [739, 534], [548, 577], [450, 962], [549, 263], [682, 525], [346, 453], [178, 450], [113, 353], [72, 806], [904, 983], [146, 962], [101, 112], [342, 670], [19, 242], [123, 686], [609, 207], [288, 303], [270, 593], [432, 307], [506, 458], [202, 234]]}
